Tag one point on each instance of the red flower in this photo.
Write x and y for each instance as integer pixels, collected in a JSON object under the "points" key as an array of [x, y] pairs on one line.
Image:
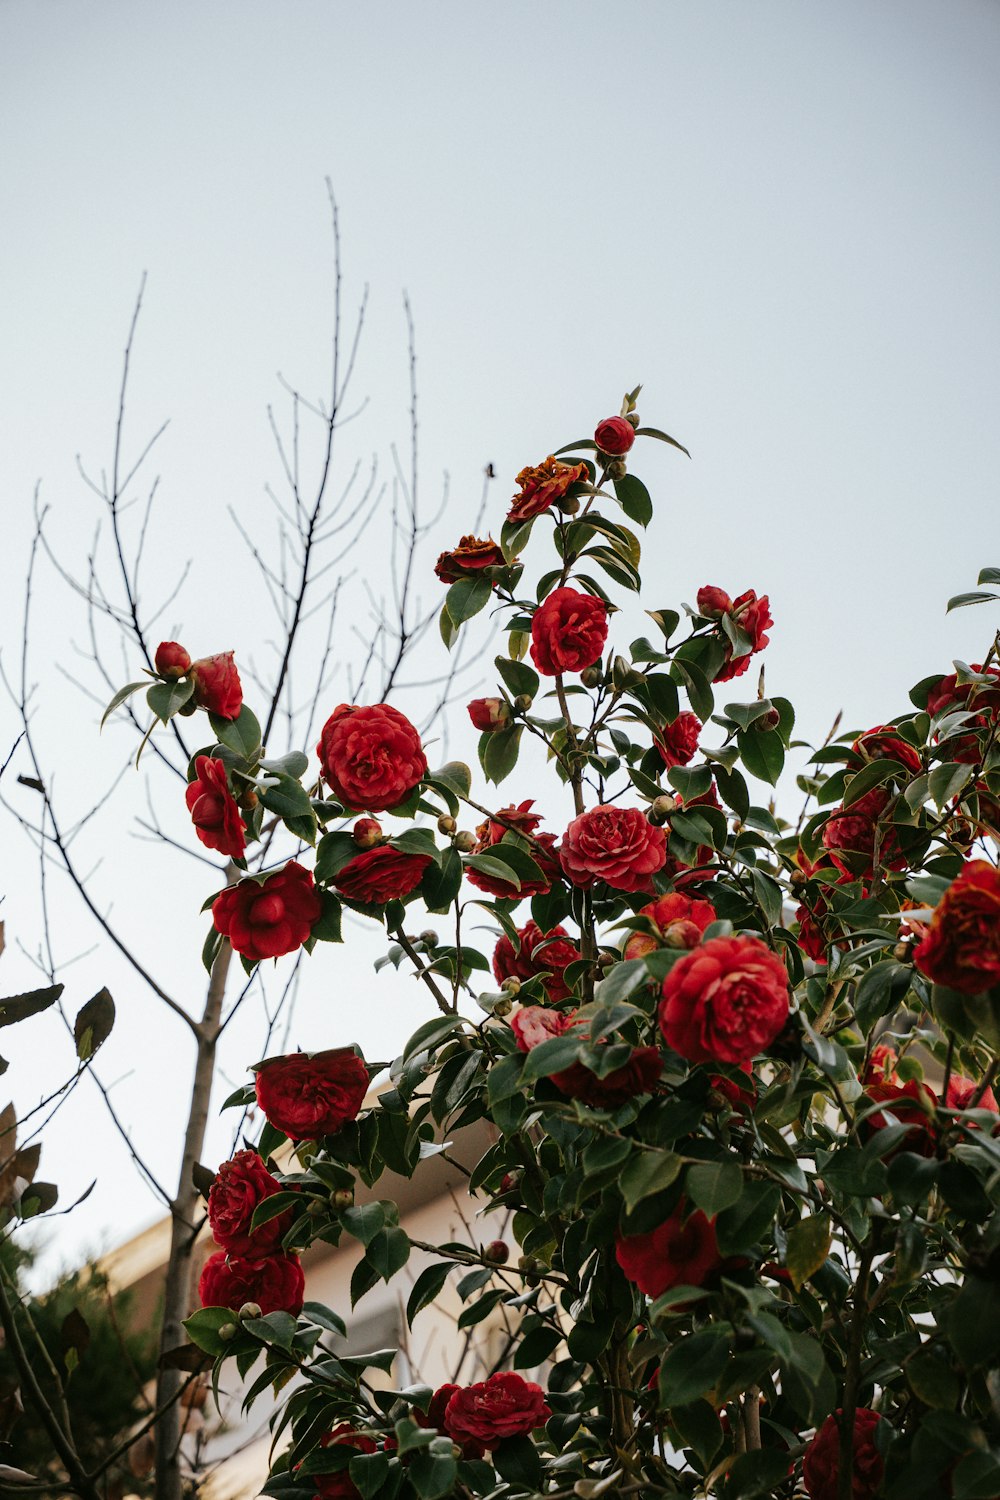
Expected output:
{"points": [[881, 1067], [266, 919], [311, 1094], [949, 696], [241, 1184], [677, 742], [213, 809], [883, 743], [274, 1282], [811, 939], [639, 1075], [217, 685], [912, 1104], [489, 714], [962, 946], [470, 556], [679, 921], [503, 1406], [821, 1465], [171, 660], [725, 1001], [614, 844], [961, 1092], [534, 1024], [568, 632], [540, 952], [367, 832], [614, 436], [713, 602], [471, 1448], [850, 834], [753, 617], [740, 1097], [341, 1486], [381, 874], [541, 485], [516, 819], [681, 1252], [372, 757]]}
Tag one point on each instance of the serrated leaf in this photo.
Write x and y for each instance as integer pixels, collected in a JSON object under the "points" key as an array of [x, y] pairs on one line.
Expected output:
{"points": [[241, 734]]}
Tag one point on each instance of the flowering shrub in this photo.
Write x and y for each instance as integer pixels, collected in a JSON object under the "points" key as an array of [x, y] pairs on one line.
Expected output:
{"points": [[738, 1070]]}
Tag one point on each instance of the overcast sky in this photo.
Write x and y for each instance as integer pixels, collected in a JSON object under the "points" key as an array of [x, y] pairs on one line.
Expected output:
{"points": [[782, 218]]}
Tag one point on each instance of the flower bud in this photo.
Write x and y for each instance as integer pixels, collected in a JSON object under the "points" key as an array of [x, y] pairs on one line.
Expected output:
{"points": [[497, 1251], [341, 1198], [682, 934], [446, 824], [503, 1006], [249, 799], [617, 468], [591, 676], [903, 953], [527, 1262], [661, 808], [523, 702], [770, 720], [511, 985], [489, 714], [367, 833], [713, 602], [249, 1310], [607, 958], [509, 1181], [798, 879], [429, 937], [614, 436], [171, 660], [633, 418], [228, 1332], [639, 944], [465, 841], [569, 504]]}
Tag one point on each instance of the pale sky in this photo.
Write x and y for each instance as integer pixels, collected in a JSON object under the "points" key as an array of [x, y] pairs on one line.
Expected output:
{"points": [[782, 218]]}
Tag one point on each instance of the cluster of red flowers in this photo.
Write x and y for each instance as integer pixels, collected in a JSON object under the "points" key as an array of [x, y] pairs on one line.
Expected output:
{"points": [[216, 681], [250, 1266]]}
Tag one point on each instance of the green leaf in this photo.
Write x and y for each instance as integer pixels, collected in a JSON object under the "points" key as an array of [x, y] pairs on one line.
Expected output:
{"points": [[959, 601], [203, 1328], [498, 750], [622, 980], [364, 1221], [93, 1024], [876, 773], [388, 1251], [989, 575], [698, 687], [691, 1367], [168, 698], [426, 1289], [328, 928], [667, 619], [241, 734], [664, 437], [647, 1173], [517, 1460], [714, 1185], [18, 1007], [634, 499], [748, 1220], [808, 1247], [756, 1475], [762, 752], [288, 799], [518, 677], [334, 851], [551, 1057], [294, 764], [442, 882], [467, 597], [119, 699], [368, 1472]]}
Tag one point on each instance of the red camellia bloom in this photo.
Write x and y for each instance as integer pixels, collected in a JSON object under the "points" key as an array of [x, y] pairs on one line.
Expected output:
{"points": [[912, 1104], [614, 435], [949, 696], [961, 1092], [471, 1448], [550, 952], [268, 918], [213, 809], [568, 632], [372, 757], [639, 1075], [171, 660], [517, 818], [541, 485], [503, 1406], [681, 1252], [679, 921], [614, 844], [725, 1001], [713, 602], [382, 874], [341, 1486], [884, 743], [753, 616], [470, 556], [217, 685], [821, 1465], [311, 1094], [274, 1282], [367, 832], [881, 1066], [489, 714], [850, 834], [677, 742], [962, 946], [534, 1024], [240, 1185]]}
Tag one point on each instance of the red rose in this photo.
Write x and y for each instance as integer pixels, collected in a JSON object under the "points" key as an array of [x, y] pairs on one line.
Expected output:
{"points": [[549, 952], [541, 485], [311, 1094], [341, 1486], [367, 832], [949, 696], [568, 632], [274, 1282], [753, 617], [614, 844], [503, 1406], [912, 1104], [372, 757], [241, 1184], [382, 874], [213, 809], [489, 714], [268, 918], [470, 556], [883, 743], [851, 834], [639, 1075], [962, 946], [679, 921], [681, 1252], [534, 1024], [821, 1465], [961, 1092], [217, 685], [725, 1001], [471, 1448], [516, 819], [713, 602], [171, 660], [614, 436], [677, 742]]}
